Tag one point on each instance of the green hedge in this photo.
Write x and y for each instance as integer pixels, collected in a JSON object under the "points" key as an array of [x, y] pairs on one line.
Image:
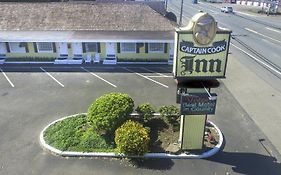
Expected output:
{"points": [[110, 111], [29, 59]]}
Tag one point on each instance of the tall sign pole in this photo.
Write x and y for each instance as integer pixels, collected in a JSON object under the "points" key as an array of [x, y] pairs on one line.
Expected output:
{"points": [[201, 51], [180, 21]]}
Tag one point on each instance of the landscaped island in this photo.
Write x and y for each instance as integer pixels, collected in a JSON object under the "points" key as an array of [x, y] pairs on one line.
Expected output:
{"points": [[109, 126]]}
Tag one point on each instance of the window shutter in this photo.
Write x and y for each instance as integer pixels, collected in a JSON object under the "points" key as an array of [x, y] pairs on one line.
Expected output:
{"points": [[35, 47], [98, 45], [146, 47], [84, 47], [26, 47], [166, 47], [8, 47], [54, 47], [139, 45], [118, 47]]}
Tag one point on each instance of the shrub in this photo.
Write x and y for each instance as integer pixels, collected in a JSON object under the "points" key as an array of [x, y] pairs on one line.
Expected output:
{"points": [[145, 112], [171, 114], [132, 138], [109, 111]]}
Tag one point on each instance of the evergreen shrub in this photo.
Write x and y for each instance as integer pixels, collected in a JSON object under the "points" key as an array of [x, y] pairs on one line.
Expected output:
{"points": [[145, 111], [110, 111], [132, 138]]}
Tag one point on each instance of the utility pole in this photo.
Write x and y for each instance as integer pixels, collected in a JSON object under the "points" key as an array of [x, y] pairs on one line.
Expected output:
{"points": [[180, 22]]}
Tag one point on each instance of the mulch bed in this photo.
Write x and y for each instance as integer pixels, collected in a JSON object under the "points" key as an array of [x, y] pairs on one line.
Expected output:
{"points": [[163, 134]]}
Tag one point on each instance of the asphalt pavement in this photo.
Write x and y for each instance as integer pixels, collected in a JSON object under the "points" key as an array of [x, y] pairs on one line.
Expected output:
{"points": [[38, 99]]}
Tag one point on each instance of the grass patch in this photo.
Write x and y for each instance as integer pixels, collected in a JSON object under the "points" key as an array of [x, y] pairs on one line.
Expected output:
{"points": [[76, 134], [29, 59]]}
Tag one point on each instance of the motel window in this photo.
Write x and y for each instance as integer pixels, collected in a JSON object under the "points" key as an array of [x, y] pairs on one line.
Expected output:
{"points": [[128, 48], [45, 47], [91, 47], [156, 47], [17, 47]]}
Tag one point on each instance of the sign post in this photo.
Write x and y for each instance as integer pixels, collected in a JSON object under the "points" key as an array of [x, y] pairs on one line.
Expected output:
{"points": [[201, 51]]}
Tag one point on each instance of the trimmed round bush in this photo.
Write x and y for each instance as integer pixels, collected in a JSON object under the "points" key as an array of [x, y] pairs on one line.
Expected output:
{"points": [[145, 111], [172, 114], [132, 138], [110, 111]]}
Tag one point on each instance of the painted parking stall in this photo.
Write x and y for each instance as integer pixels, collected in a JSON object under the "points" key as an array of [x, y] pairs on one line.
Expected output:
{"points": [[79, 76], [7, 78], [146, 77]]}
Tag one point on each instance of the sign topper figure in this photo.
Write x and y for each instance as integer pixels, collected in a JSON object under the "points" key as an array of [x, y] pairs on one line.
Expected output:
{"points": [[201, 49]]}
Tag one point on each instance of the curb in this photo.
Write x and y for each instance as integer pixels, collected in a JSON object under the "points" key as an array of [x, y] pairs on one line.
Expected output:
{"points": [[206, 154]]}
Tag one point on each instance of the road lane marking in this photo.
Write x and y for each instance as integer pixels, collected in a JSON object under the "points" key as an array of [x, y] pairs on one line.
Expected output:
{"points": [[52, 77], [153, 72], [245, 13], [7, 78], [261, 62], [146, 77], [98, 77], [253, 31], [274, 30]]}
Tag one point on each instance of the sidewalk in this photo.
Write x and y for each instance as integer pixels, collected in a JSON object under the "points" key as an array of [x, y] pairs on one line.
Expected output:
{"points": [[258, 98]]}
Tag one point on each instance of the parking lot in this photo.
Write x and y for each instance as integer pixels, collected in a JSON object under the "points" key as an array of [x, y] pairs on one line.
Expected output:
{"points": [[34, 96], [94, 80]]}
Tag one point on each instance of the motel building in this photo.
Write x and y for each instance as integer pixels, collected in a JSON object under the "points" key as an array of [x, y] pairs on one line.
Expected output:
{"points": [[84, 33]]}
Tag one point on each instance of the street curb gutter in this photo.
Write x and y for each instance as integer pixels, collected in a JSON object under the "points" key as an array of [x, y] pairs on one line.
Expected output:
{"points": [[206, 154]]}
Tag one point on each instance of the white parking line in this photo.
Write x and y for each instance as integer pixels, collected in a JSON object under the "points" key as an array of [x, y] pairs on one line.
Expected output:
{"points": [[143, 68], [52, 77], [274, 30], [261, 62], [165, 69], [253, 31], [7, 78], [98, 77], [146, 77]]}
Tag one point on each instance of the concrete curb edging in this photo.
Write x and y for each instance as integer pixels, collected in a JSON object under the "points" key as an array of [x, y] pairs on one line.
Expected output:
{"points": [[206, 154]]}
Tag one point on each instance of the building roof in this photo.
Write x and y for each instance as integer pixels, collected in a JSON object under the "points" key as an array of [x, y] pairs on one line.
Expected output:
{"points": [[81, 17]]}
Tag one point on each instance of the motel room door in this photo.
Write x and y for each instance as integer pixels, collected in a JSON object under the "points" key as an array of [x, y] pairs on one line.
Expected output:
{"points": [[77, 49], [63, 49], [110, 48], [3, 50]]}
